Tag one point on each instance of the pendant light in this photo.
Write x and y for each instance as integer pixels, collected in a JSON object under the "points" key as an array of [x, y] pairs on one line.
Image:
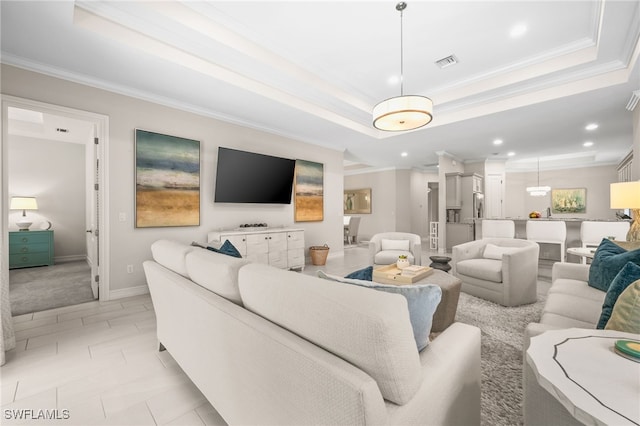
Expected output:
{"points": [[404, 112], [538, 191]]}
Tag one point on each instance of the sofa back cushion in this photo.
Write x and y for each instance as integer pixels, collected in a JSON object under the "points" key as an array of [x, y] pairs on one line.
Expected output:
{"points": [[369, 329], [216, 272], [608, 260], [172, 255]]}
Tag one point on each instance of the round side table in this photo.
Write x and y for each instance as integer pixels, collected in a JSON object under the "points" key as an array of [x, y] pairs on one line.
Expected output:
{"points": [[440, 262]]}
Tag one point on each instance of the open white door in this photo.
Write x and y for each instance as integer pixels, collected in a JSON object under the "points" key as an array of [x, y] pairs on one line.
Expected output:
{"points": [[93, 199]]}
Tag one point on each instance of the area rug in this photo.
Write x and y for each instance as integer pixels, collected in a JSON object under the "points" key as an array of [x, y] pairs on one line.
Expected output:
{"points": [[501, 355], [47, 287]]}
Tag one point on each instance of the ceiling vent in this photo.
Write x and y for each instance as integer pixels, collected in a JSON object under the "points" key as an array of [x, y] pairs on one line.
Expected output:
{"points": [[633, 101], [447, 62]]}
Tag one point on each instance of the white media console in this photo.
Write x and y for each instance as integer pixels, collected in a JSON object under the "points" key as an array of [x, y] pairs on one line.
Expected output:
{"points": [[279, 247]]}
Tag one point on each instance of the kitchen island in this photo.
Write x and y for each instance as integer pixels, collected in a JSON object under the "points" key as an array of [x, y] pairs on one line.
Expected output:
{"points": [[550, 251]]}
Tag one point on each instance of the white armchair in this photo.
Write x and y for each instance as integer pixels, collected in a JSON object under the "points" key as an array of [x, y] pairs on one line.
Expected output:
{"points": [[502, 270], [384, 248]]}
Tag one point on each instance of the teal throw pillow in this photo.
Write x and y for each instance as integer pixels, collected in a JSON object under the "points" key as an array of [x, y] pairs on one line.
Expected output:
{"points": [[226, 248], [627, 275], [422, 301], [362, 274], [608, 260]]}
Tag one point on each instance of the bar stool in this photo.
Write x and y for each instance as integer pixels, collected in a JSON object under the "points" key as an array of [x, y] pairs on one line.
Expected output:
{"points": [[592, 233], [548, 232], [494, 228]]}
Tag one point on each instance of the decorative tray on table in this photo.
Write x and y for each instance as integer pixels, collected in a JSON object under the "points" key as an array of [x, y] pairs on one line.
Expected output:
{"points": [[390, 274]]}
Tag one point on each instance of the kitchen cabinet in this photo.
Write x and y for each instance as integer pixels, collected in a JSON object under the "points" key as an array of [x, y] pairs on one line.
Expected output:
{"points": [[454, 190], [458, 233]]}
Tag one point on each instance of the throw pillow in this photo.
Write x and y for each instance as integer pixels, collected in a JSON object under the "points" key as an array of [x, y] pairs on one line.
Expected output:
{"points": [[608, 260], [626, 312], [226, 248], [362, 274], [626, 276], [492, 251], [422, 301], [394, 244]]}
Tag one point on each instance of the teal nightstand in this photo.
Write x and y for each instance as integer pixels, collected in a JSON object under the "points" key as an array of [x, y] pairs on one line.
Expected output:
{"points": [[30, 248]]}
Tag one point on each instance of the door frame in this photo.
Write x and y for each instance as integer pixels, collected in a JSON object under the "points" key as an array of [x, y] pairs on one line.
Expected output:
{"points": [[101, 123]]}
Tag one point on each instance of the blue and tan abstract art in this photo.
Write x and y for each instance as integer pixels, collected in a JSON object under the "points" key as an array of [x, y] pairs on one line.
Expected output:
{"points": [[167, 180], [309, 191]]}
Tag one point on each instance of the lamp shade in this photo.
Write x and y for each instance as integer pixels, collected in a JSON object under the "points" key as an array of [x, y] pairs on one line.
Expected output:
{"points": [[23, 203], [403, 113], [538, 191], [625, 195]]}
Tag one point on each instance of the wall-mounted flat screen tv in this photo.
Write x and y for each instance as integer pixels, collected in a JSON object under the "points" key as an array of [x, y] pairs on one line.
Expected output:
{"points": [[247, 177]]}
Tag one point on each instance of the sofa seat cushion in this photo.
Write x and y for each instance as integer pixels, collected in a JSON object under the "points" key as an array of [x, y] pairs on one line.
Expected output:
{"points": [[172, 255], [369, 329], [216, 272], [388, 257], [572, 310], [484, 269], [577, 288]]}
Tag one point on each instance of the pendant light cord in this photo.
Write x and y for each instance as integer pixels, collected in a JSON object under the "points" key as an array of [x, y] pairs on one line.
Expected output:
{"points": [[401, 7]]}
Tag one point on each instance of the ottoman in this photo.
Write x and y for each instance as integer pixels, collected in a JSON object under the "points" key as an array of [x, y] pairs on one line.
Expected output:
{"points": [[445, 313]]}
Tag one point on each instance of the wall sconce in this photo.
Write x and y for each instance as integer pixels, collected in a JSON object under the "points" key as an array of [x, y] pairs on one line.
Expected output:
{"points": [[23, 203], [626, 195]]}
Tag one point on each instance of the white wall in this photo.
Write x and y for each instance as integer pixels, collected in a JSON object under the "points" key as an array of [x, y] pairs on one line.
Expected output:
{"points": [[636, 144], [399, 201], [130, 245], [596, 180], [54, 173], [383, 207]]}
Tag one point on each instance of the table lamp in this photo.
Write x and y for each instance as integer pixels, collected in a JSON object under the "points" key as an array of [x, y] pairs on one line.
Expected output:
{"points": [[23, 203], [626, 195]]}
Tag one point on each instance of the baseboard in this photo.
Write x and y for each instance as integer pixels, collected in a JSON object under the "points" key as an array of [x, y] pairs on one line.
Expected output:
{"points": [[128, 292], [72, 258]]}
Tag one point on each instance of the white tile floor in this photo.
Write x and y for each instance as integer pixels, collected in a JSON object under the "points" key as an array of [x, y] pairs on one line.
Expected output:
{"points": [[99, 361]]}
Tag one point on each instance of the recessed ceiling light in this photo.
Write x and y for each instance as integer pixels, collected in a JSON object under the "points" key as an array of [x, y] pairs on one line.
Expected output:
{"points": [[587, 144], [404, 154], [511, 154], [591, 126], [497, 141], [518, 30], [393, 80]]}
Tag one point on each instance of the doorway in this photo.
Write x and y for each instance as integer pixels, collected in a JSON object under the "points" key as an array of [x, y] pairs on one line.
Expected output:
{"points": [[56, 155]]}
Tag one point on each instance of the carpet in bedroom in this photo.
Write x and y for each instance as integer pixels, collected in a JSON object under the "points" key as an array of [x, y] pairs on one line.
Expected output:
{"points": [[40, 288]]}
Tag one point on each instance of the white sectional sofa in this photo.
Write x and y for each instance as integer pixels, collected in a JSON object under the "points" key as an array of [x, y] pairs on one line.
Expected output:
{"points": [[268, 346]]}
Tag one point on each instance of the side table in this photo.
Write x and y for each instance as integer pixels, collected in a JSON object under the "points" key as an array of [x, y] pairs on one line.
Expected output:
{"points": [[440, 262], [580, 371], [30, 248]]}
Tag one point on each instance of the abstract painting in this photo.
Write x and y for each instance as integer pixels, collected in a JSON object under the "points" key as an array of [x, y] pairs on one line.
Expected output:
{"points": [[167, 180], [569, 200], [309, 191]]}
